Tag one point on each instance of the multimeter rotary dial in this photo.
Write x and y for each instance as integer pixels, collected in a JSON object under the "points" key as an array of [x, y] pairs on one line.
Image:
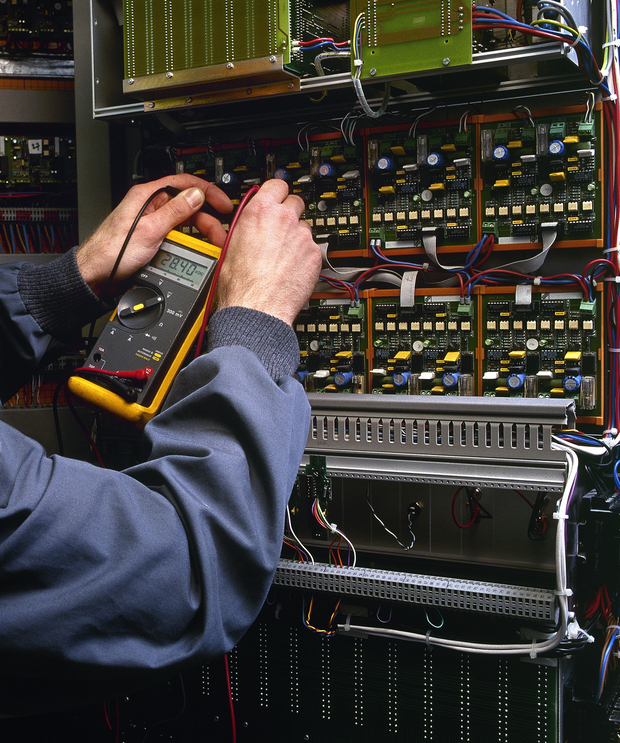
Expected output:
{"points": [[140, 307]]}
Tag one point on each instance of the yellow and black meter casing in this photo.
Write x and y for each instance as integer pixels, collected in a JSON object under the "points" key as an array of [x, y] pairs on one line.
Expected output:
{"points": [[153, 328]]}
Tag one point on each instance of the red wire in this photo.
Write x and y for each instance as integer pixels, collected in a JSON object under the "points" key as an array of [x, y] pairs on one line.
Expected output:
{"points": [[218, 268], [475, 513]]}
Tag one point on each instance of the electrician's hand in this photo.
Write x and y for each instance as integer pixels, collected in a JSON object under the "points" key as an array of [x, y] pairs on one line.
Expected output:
{"points": [[272, 263], [97, 255]]}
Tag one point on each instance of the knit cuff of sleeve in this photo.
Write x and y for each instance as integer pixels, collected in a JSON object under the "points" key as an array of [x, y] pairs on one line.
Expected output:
{"points": [[57, 296], [271, 339]]}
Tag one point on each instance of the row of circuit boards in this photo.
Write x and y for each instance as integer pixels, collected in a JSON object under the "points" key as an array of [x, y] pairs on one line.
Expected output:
{"points": [[504, 342], [523, 178]]}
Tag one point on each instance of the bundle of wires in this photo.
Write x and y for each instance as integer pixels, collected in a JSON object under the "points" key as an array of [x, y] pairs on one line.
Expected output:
{"points": [[357, 72]]}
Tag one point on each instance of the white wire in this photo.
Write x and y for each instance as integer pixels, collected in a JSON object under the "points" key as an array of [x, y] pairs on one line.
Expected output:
{"points": [[295, 537], [333, 528], [533, 648]]}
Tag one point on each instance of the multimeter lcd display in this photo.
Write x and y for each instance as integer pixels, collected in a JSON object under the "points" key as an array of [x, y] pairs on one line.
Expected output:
{"points": [[182, 266]]}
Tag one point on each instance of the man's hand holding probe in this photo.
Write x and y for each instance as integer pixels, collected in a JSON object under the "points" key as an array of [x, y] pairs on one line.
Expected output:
{"points": [[272, 264]]}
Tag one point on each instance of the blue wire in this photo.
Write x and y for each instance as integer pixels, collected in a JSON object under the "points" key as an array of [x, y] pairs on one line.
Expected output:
{"points": [[604, 664]]}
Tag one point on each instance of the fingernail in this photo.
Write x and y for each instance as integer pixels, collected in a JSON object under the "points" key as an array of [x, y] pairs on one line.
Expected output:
{"points": [[195, 197]]}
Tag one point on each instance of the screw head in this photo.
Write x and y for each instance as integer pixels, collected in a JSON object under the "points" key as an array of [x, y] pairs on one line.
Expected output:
{"points": [[151, 105], [189, 99], [372, 71], [446, 61], [272, 58], [229, 65], [168, 75], [130, 81]]}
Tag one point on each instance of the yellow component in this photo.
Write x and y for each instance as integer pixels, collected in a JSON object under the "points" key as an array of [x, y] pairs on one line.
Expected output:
{"points": [[387, 386], [340, 187], [451, 168], [517, 172], [398, 150], [344, 354], [403, 356], [450, 177], [297, 190], [102, 400], [241, 169], [400, 172], [201, 171], [294, 166], [387, 189], [560, 362], [505, 314], [560, 176], [437, 187], [303, 353], [452, 224], [450, 147], [235, 202], [438, 390], [573, 219], [138, 307], [517, 354], [392, 315], [514, 144], [572, 356], [402, 226], [330, 388], [502, 184], [556, 392], [571, 139], [573, 168], [338, 159], [517, 221], [504, 370], [401, 180], [343, 232], [329, 195], [452, 357], [560, 313]]}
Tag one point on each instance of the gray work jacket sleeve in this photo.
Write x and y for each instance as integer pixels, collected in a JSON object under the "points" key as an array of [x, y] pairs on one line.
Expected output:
{"points": [[111, 580]]}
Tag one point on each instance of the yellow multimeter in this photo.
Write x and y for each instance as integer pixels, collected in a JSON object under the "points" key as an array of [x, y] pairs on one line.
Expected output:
{"points": [[144, 344]]}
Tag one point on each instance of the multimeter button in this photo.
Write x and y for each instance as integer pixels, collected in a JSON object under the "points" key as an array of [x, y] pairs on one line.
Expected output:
{"points": [[140, 307]]}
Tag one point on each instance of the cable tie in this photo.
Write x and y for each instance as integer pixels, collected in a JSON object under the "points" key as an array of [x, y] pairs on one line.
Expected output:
{"points": [[334, 528], [612, 279], [537, 280], [533, 652], [428, 638], [565, 592], [610, 432], [611, 250], [614, 350], [615, 42], [358, 62], [426, 266], [347, 624], [561, 516], [611, 97]]}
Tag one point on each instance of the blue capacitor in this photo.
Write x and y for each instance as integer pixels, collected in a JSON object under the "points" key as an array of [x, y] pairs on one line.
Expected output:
{"points": [[385, 164], [501, 153], [435, 160], [300, 376], [515, 381], [572, 384], [400, 379], [327, 170], [556, 147], [282, 174], [229, 179], [343, 379], [450, 379]]}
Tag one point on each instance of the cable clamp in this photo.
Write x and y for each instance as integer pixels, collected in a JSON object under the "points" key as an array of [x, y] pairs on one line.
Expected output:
{"points": [[533, 653], [610, 432], [560, 516], [611, 250], [333, 528], [347, 624], [358, 62], [565, 592], [612, 279], [613, 350], [611, 97], [537, 280], [426, 266], [428, 638], [615, 42]]}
